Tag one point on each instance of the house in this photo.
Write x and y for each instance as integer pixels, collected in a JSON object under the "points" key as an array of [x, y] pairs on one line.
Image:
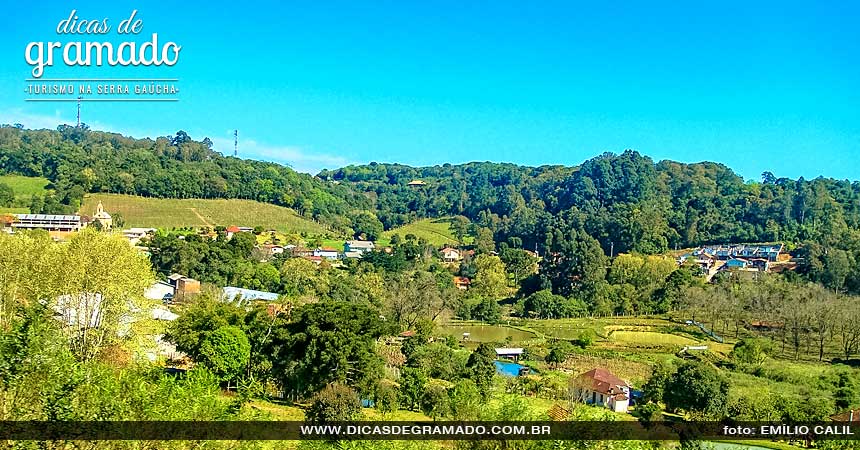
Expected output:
{"points": [[231, 230], [416, 183], [353, 254], [134, 235], [358, 246], [462, 283], [599, 386], [183, 286], [513, 354], [241, 296], [50, 222], [450, 255], [326, 252]]}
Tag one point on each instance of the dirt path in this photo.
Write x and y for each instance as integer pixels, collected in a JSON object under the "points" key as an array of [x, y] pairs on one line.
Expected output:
{"points": [[202, 219]]}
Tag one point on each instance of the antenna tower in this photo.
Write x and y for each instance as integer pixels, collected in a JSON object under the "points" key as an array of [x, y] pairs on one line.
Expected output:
{"points": [[79, 110], [235, 143]]}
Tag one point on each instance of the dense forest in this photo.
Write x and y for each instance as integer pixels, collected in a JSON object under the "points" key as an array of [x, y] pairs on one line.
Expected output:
{"points": [[625, 202]]}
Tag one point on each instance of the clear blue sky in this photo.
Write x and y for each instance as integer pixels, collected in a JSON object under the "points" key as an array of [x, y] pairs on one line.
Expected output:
{"points": [[773, 86]]}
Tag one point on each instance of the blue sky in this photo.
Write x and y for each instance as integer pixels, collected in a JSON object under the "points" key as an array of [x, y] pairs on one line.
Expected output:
{"points": [[773, 86]]}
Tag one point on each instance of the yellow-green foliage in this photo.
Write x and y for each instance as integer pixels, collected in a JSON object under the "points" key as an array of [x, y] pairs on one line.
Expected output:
{"points": [[169, 213], [649, 338], [435, 231]]}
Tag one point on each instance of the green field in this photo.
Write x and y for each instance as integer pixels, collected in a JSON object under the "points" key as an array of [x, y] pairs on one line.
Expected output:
{"points": [[24, 187], [170, 213], [435, 231]]}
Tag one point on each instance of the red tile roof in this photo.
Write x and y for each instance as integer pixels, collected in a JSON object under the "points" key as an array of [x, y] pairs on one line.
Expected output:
{"points": [[233, 229], [603, 381]]}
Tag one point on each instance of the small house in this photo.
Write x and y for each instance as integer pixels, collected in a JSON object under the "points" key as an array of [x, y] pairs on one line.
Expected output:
{"points": [[450, 255], [462, 283], [599, 386], [358, 246], [326, 252]]}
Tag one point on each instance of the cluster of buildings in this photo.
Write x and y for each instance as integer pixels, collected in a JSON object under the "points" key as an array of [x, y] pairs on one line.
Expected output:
{"points": [[62, 223], [734, 257]]}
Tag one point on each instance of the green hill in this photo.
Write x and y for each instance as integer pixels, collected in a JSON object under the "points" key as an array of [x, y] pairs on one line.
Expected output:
{"points": [[435, 231], [25, 187], [168, 213]]}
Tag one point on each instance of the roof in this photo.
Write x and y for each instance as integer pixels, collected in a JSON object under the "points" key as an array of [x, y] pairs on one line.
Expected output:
{"points": [[47, 217], [462, 280], [233, 229], [327, 249], [231, 292], [416, 183], [360, 244], [407, 333], [603, 381], [509, 351], [175, 276]]}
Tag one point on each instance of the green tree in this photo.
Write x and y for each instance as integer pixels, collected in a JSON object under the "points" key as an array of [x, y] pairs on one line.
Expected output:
{"points": [[412, 383], [491, 279], [697, 387], [225, 352], [329, 342], [482, 368], [435, 402]]}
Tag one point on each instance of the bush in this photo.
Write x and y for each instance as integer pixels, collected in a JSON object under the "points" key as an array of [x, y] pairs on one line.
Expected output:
{"points": [[334, 403]]}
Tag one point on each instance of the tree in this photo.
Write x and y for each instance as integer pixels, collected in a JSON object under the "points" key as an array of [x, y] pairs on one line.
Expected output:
{"points": [[465, 400], [225, 352], [482, 368], [366, 226], [412, 382], [460, 228], [329, 342], [655, 387], [334, 403], [484, 243], [697, 387], [491, 279], [434, 401], [751, 351], [386, 399], [558, 353], [96, 281]]}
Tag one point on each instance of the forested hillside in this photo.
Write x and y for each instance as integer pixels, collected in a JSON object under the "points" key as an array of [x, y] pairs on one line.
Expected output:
{"points": [[78, 160], [621, 202]]}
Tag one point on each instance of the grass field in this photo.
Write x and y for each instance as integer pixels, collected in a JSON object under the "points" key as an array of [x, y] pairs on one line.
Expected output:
{"points": [[435, 231], [169, 213], [25, 187]]}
